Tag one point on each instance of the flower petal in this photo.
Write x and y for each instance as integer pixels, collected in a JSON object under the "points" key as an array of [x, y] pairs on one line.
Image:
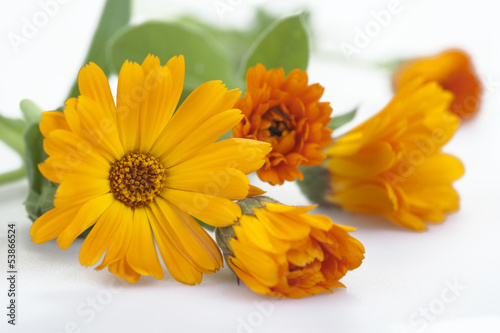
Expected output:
{"points": [[203, 103], [84, 219], [177, 264], [189, 236], [141, 255], [129, 95], [51, 224], [212, 210], [99, 238]]}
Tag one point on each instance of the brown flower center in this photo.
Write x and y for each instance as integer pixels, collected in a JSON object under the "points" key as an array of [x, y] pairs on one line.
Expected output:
{"points": [[277, 123], [136, 179]]}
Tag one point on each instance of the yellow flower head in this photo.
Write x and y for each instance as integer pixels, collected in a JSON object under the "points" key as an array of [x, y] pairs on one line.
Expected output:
{"points": [[392, 164], [283, 251], [454, 71], [285, 112], [136, 169]]}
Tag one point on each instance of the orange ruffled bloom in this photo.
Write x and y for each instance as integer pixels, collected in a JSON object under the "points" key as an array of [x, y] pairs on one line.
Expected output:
{"points": [[454, 71], [287, 113], [283, 251], [392, 164]]}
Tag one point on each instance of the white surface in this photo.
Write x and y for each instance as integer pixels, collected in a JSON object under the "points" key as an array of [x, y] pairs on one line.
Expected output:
{"points": [[404, 272]]}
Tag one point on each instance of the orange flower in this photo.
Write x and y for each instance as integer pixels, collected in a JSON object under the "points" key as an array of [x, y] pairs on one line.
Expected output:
{"points": [[283, 251], [453, 70], [285, 112], [392, 164]]}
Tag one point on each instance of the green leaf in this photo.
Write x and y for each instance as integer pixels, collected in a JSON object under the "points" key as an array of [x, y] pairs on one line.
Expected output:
{"points": [[204, 225], [13, 175], [31, 111], [226, 135], [235, 42], [315, 185], [115, 15], [41, 190], [284, 44], [11, 132], [204, 60], [343, 119]]}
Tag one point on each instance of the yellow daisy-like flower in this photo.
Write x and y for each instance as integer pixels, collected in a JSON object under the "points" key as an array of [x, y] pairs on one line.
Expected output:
{"points": [[392, 164], [136, 169], [283, 251]]}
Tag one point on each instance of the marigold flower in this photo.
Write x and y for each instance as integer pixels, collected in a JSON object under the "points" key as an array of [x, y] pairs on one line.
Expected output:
{"points": [[285, 112], [454, 71], [283, 251], [136, 170], [392, 165]]}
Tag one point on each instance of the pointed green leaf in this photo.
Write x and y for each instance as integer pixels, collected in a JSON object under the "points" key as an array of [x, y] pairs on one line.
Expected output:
{"points": [[204, 225], [42, 191], [204, 60], [11, 132], [31, 111], [343, 119], [115, 15], [284, 44]]}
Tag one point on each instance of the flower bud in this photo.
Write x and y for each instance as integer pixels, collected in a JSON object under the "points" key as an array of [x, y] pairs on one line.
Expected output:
{"points": [[283, 251]]}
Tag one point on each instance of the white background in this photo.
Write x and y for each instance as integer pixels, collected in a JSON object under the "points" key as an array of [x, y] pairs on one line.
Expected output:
{"points": [[404, 273]]}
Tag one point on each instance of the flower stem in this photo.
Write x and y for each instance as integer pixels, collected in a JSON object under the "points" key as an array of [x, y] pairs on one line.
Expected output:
{"points": [[12, 175]]}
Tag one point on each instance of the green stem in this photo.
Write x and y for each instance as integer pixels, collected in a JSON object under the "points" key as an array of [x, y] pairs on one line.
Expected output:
{"points": [[12, 175]]}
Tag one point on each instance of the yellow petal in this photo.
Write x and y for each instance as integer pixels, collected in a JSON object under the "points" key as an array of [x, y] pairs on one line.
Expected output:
{"points": [[201, 137], [264, 269], [177, 264], [129, 94], [204, 102], [213, 210], [188, 236], [93, 83], [98, 129], [163, 87], [141, 255], [254, 190], [120, 241], [85, 218], [52, 120], [407, 219], [252, 231], [366, 198], [51, 224], [77, 189], [99, 238], [150, 63], [122, 269], [370, 160], [281, 226], [156, 105], [223, 181], [248, 279], [438, 169], [73, 152]]}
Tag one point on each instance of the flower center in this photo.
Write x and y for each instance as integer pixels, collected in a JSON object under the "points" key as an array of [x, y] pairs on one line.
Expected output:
{"points": [[276, 123], [136, 179]]}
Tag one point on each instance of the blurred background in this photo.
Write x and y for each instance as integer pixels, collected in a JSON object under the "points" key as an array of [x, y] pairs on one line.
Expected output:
{"points": [[400, 285]]}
